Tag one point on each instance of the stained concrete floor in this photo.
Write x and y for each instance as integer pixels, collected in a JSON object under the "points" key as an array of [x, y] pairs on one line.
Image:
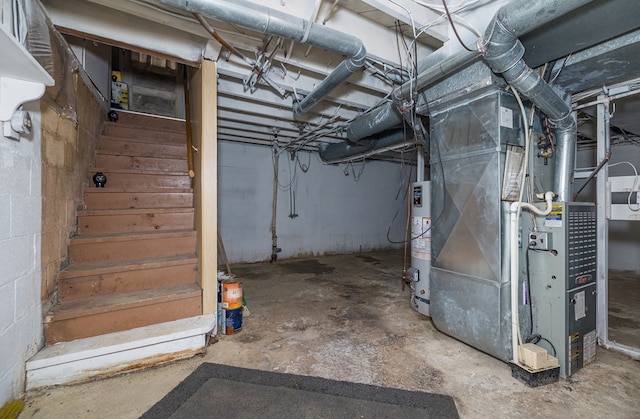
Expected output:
{"points": [[346, 317]]}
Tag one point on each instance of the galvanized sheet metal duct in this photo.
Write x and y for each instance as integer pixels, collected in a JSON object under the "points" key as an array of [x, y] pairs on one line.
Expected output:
{"points": [[381, 119], [274, 22], [470, 288], [430, 70], [511, 21], [338, 152], [503, 51]]}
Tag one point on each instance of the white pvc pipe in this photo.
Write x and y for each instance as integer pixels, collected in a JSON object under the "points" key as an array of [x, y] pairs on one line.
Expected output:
{"points": [[514, 212]]}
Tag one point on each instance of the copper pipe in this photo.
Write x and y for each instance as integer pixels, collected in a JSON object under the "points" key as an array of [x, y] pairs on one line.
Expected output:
{"points": [[218, 38]]}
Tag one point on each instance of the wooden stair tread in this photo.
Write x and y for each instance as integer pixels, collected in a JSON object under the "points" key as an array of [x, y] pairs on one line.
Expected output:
{"points": [[101, 268], [134, 263], [119, 237], [113, 302], [142, 154], [142, 127], [134, 211], [134, 172], [153, 141], [137, 190]]}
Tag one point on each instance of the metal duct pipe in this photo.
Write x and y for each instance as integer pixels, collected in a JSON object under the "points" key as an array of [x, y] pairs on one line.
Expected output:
{"points": [[338, 152], [503, 51], [381, 119], [430, 70], [253, 16], [517, 17]]}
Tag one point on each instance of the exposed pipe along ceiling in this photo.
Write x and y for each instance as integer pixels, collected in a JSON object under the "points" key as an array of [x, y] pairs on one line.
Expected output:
{"points": [[469, 106]]}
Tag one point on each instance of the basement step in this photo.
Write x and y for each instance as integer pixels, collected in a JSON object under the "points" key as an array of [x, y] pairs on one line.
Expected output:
{"points": [[89, 280], [118, 129], [140, 147], [140, 162], [113, 353], [121, 198], [120, 247], [128, 178], [110, 221], [82, 318], [148, 120]]}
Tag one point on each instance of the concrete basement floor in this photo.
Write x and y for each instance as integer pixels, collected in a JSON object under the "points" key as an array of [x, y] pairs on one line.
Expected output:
{"points": [[346, 317]]}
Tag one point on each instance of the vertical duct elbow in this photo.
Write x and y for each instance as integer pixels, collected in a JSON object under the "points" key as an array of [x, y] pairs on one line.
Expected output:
{"points": [[503, 51], [273, 22]]}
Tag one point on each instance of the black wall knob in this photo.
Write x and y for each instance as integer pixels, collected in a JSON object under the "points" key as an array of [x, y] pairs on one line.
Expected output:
{"points": [[99, 179]]}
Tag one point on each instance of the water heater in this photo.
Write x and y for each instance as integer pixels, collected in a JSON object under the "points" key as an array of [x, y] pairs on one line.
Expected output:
{"points": [[420, 246]]}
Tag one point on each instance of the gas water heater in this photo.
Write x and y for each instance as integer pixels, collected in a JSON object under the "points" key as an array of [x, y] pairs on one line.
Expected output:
{"points": [[420, 246]]}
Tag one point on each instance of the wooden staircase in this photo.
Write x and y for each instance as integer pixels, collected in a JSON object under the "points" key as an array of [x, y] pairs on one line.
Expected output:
{"points": [[133, 262]]}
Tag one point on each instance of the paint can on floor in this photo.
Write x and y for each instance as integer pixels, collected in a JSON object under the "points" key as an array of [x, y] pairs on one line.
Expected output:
{"points": [[231, 294], [232, 319]]}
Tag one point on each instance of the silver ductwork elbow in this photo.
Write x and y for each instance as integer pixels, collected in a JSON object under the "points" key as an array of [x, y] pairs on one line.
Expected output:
{"points": [[503, 52], [337, 76]]}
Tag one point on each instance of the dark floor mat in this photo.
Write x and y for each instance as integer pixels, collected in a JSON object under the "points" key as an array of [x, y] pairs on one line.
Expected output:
{"points": [[214, 390]]}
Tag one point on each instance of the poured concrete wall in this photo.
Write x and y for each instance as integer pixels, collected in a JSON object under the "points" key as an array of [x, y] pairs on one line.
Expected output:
{"points": [[335, 213], [624, 242]]}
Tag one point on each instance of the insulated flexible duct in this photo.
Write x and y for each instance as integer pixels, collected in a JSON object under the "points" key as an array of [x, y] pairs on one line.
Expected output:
{"points": [[273, 22]]}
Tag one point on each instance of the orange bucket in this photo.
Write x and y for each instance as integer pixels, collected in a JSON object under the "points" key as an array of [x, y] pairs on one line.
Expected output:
{"points": [[231, 294]]}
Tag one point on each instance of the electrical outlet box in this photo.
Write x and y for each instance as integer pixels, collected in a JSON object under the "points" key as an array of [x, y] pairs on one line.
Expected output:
{"points": [[540, 240]]}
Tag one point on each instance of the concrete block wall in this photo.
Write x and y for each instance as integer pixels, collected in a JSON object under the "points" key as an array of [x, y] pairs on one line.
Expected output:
{"points": [[68, 148], [335, 213], [41, 180], [20, 236]]}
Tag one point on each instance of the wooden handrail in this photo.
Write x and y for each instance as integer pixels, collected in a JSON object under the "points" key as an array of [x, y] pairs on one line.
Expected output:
{"points": [[187, 117]]}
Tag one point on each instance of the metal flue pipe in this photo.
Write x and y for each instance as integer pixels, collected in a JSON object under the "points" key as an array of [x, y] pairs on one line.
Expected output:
{"points": [[503, 51], [273, 22]]}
